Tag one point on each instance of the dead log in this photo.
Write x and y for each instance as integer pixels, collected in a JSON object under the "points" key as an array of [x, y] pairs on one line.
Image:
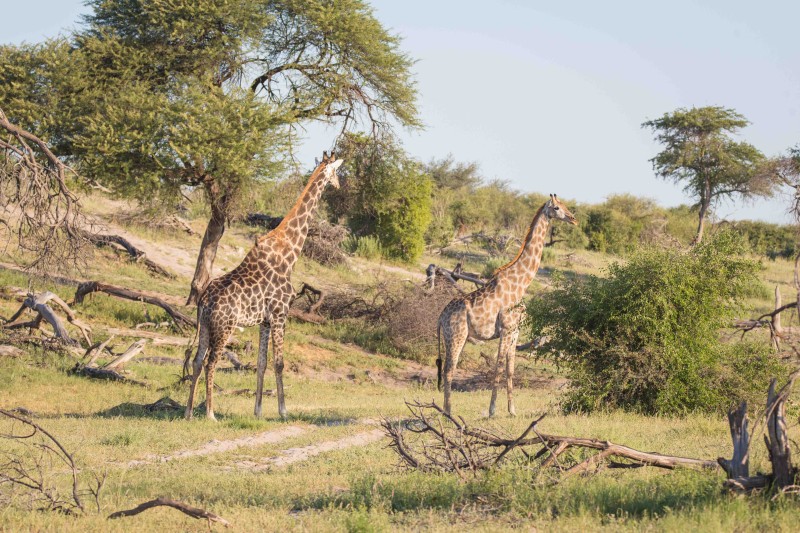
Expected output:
{"points": [[137, 255], [45, 312], [784, 474], [451, 275], [776, 439], [95, 351], [194, 512], [127, 355], [101, 373], [6, 350], [88, 287], [739, 465]]}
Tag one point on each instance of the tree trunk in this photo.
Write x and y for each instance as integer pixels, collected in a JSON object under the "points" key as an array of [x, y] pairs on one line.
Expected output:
{"points": [[208, 248], [705, 201]]}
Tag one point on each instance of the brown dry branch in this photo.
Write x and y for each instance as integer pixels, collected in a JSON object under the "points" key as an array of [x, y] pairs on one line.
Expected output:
{"points": [[194, 512], [39, 304], [88, 287], [136, 255], [784, 475], [30, 467], [38, 206], [433, 440]]}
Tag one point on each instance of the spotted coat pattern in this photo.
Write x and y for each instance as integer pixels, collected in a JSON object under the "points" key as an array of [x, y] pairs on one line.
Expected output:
{"points": [[494, 310], [258, 291]]}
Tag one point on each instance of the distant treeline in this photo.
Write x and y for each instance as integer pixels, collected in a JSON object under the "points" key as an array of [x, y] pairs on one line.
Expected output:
{"points": [[464, 203]]}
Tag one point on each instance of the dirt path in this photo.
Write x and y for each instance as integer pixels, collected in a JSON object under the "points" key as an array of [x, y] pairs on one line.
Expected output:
{"points": [[219, 446], [296, 455]]}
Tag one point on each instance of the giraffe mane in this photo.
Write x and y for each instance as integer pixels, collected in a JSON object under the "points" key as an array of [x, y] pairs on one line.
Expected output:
{"points": [[525, 241]]}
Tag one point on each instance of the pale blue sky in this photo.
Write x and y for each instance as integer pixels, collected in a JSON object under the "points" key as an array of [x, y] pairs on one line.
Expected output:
{"points": [[550, 95]]}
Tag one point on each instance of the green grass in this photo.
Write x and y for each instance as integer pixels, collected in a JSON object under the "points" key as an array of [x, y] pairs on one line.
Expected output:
{"points": [[330, 396]]}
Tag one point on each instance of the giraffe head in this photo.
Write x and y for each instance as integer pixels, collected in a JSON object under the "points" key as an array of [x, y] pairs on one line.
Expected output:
{"points": [[329, 171], [555, 208]]}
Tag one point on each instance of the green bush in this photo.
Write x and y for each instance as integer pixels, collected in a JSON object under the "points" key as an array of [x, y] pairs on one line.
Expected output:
{"points": [[646, 337]]}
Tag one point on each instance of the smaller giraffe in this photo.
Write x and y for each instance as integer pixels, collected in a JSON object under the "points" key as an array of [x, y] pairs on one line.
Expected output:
{"points": [[258, 291], [494, 310]]}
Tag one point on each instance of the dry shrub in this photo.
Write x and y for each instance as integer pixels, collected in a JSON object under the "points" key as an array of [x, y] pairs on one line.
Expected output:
{"points": [[412, 320]]}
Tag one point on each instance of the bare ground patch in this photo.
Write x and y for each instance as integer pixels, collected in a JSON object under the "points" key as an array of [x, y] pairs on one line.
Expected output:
{"points": [[220, 446], [303, 453]]}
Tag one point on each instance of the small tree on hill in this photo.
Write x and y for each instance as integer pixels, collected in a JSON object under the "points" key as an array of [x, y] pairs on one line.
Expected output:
{"points": [[699, 152]]}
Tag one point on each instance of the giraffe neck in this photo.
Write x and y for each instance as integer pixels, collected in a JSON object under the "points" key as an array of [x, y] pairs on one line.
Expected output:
{"points": [[523, 268], [291, 233]]}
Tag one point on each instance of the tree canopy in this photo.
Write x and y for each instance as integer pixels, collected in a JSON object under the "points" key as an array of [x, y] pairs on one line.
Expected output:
{"points": [[700, 154], [154, 96]]}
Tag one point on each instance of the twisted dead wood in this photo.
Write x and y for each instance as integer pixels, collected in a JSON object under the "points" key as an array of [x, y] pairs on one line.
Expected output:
{"points": [[194, 512], [446, 443]]}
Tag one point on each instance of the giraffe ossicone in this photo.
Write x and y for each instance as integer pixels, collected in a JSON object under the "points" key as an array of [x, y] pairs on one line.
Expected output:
{"points": [[258, 291], [494, 310]]}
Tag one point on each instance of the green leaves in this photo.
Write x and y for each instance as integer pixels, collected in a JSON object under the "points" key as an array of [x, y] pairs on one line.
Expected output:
{"points": [[646, 337], [383, 193]]}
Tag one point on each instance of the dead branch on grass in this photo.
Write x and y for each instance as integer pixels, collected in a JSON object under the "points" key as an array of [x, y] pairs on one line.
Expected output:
{"points": [[39, 304], [120, 243], [88, 287], [439, 441], [29, 470], [194, 512]]}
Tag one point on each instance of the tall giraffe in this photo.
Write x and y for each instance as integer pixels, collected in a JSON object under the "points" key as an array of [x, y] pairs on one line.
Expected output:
{"points": [[495, 309], [258, 291]]}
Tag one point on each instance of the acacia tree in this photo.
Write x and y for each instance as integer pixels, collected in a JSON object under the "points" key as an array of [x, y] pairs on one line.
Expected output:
{"points": [[699, 153], [204, 94]]}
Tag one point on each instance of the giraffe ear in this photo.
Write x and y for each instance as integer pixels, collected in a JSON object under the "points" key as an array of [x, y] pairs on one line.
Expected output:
{"points": [[325, 157]]}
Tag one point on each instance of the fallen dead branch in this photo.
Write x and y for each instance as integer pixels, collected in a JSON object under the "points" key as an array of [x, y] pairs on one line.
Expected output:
{"points": [[132, 351], [39, 304], [121, 243], [194, 512], [433, 440], [88, 287]]}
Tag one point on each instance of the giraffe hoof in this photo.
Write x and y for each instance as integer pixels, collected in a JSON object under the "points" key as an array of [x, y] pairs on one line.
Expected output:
{"points": [[210, 416]]}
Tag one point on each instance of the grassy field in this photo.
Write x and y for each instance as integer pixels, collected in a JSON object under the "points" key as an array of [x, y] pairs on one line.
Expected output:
{"points": [[328, 468]]}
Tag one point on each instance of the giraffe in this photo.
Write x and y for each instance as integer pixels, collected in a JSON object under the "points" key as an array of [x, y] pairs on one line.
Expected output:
{"points": [[258, 291], [495, 309]]}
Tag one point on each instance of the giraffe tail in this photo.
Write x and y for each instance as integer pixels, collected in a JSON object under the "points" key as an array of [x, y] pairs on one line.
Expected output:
{"points": [[439, 358], [187, 354]]}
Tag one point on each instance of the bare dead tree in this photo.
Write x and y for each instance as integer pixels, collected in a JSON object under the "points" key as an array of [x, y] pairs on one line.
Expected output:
{"points": [[784, 476], [36, 205], [433, 440]]}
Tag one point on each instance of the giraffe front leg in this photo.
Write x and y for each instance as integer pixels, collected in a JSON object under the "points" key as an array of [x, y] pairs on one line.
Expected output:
{"points": [[263, 346], [496, 378], [277, 353], [511, 354], [210, 393]]}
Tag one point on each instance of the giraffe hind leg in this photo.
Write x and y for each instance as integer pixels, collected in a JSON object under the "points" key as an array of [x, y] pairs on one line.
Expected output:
{"points": [[263, 346], [454, 340], [197, 369]]}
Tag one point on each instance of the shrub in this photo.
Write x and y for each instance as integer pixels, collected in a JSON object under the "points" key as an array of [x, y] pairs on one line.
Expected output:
{"points": [[646, 337], [368, 247]]}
